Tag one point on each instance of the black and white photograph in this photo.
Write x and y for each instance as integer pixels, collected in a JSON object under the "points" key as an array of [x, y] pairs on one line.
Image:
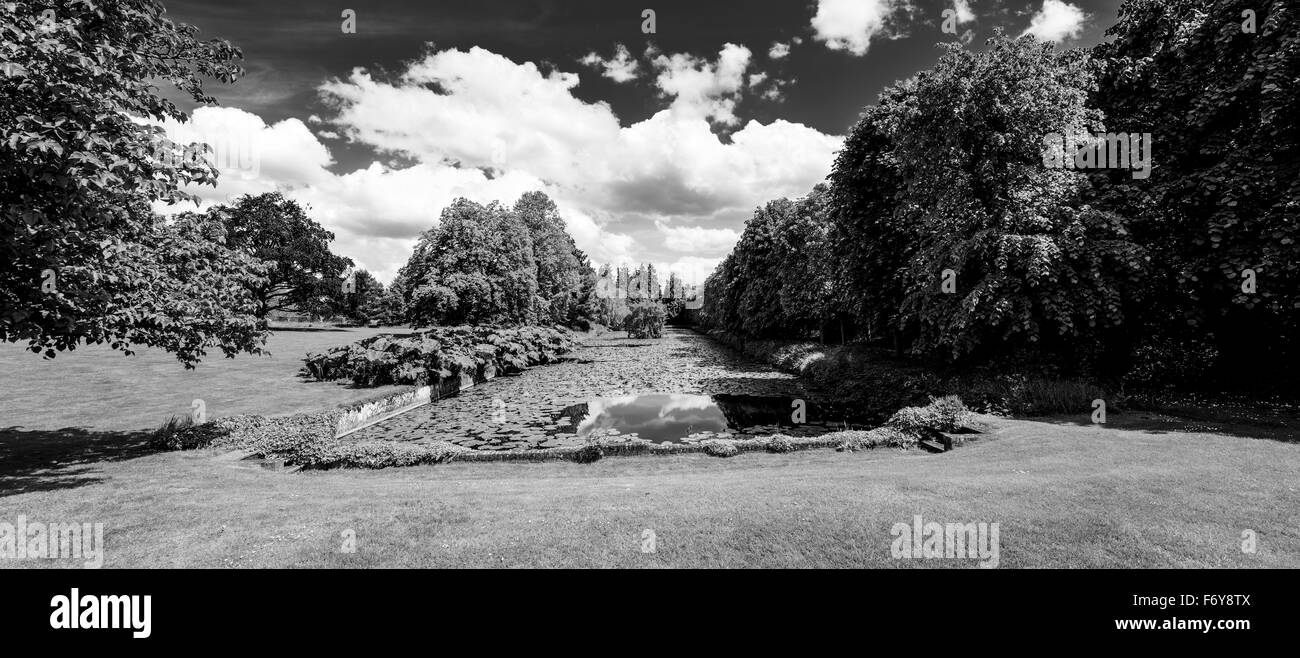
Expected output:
{"points": [[931, 288]]}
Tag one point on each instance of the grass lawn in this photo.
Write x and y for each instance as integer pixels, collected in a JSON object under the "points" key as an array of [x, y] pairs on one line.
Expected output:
{"points": [[1136, 492], [97, 387]]}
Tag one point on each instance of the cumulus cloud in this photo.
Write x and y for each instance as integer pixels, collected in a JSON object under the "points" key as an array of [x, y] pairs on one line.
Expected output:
{"points": [[781, 50], [698, 239], [704, 88], [852, 24], [963, 11], [1056, 21], [622, 67], [666, 190], [251, 153]]}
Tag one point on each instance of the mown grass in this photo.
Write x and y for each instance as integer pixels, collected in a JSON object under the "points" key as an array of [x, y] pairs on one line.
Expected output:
{"points": [[1133, 493], [96, 387]]}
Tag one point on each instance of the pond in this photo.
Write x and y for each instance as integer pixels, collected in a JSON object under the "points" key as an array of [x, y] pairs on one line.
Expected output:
{"points": [[684, 387], [677, 418]]}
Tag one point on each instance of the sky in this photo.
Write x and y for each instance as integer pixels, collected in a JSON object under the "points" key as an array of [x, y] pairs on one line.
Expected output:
{"points": [[376, 115]]}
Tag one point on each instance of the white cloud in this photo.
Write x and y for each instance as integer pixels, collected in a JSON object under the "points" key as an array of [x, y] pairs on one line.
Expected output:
{"points": [[250, 153], [698, 239], [778, 50], [964, 13], [475, 124], [851, 24], [622, 67], [702, 88], [1056, 21]]}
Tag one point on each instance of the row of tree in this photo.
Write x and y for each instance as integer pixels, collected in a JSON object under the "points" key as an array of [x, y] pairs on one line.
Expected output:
{"points": [[943, 233], [497, 264]]}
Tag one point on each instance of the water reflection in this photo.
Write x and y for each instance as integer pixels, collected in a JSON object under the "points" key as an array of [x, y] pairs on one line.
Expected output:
{"points": [[676, 417]]}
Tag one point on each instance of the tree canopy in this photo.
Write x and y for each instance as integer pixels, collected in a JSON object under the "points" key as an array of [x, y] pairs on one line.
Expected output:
{"points": [[948, 231], [84, 259], [304, 274]]}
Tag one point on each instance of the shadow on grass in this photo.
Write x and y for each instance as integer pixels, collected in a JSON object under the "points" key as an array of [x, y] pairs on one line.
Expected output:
{"points": [[48, 460], [1280, 427]]}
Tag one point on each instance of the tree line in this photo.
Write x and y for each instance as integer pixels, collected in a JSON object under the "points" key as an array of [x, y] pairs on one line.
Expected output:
{"points": [[945, 232], [86, 260]]}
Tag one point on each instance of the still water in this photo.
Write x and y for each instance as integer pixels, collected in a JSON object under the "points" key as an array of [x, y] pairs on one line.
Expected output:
{"points": [[675, 417]]}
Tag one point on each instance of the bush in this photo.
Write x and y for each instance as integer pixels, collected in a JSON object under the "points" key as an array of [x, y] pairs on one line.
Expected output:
{"points": [[946, 414], [440, 356], [891, 437], [588, 454], [177, 433], [645, 320], [1041, 395], [372, 454], [780, 443], [721, 448]]}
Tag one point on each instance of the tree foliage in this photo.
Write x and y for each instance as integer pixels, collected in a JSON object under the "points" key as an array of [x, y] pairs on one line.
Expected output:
{"points": [[944, 180], [304, 275], [559, 262], [778, 280], [84, 260], [475, 267], [1222, 102]]}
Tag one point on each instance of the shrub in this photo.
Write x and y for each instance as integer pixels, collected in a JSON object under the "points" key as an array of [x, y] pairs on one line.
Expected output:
{"points": [[372, 454], [1041, 395], [780, 443], [721, 448], [645, 320], [946, 414], [176, 433], [855, 440], [588, 454], [440, 356]]}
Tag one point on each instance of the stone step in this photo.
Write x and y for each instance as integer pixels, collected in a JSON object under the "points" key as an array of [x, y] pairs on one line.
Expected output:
{"points": [[932, 446]]}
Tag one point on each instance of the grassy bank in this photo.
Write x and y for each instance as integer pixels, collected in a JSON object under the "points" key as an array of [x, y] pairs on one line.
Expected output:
{"points": [[98, 388], [1140, 492]]}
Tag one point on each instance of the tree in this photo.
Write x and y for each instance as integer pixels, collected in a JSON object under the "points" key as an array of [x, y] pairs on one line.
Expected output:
{"points": [[305, 274], [393, 304], [674, 297], [1028, 264], [1221, 98], [559, 270], [585, 307], [806, 273], [475, 267], [645, 319], [77, 175], [870, 237], [366, 300]]}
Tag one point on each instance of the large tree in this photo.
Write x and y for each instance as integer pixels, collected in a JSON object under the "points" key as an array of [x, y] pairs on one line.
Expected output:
{"points": [[1027, 263], [78, 172], [559, 270], [475, 267], [1217, 83], [305, 275]]}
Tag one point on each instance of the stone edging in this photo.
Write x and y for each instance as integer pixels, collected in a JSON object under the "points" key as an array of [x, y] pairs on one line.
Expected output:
{"points": [[640, 448]]}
